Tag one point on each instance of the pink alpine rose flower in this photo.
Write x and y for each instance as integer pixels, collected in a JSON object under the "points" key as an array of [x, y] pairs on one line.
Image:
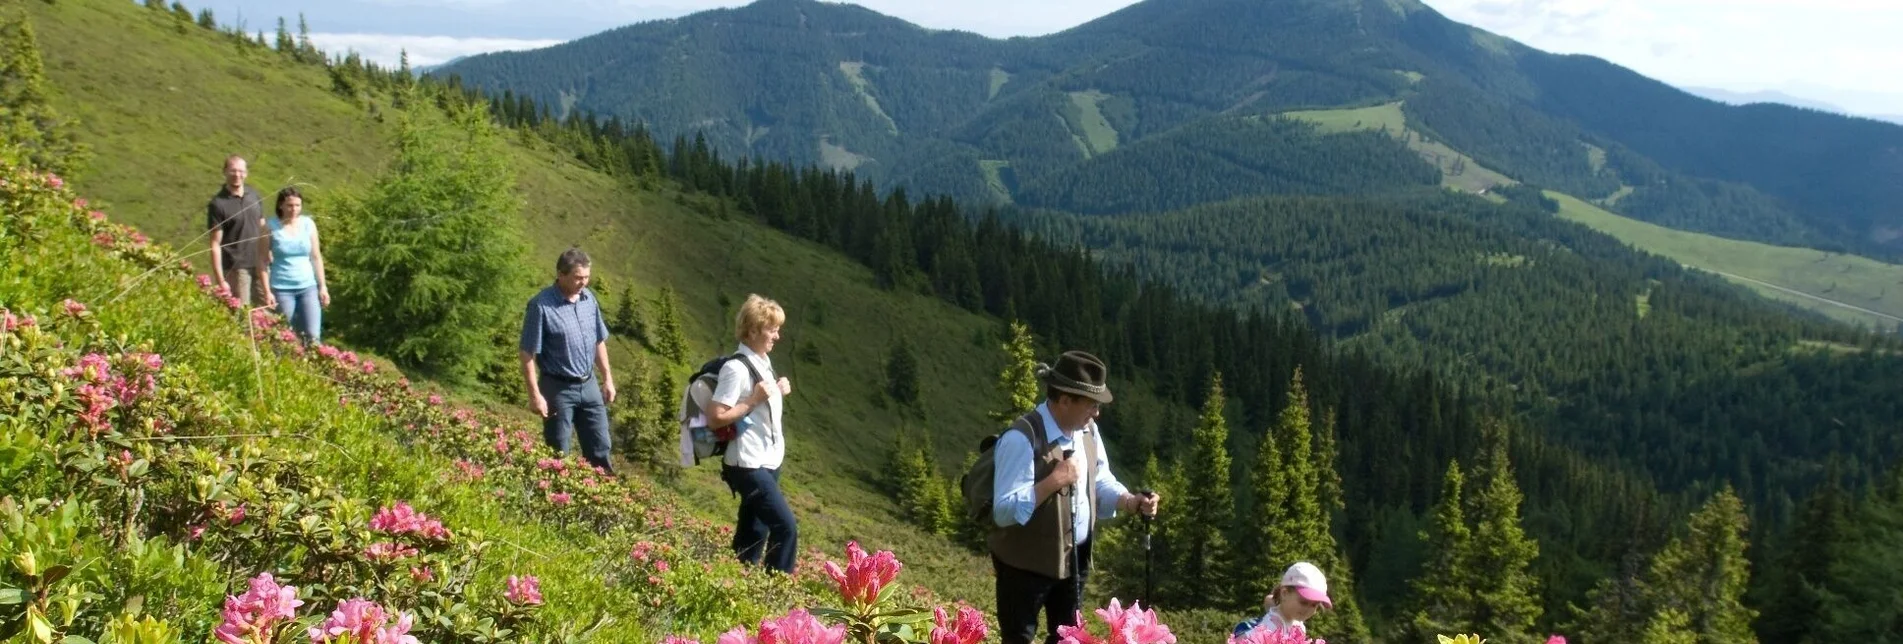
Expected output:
{"points": [[967, 628], [738, 635], [861, 581], [74, 309], [525, 590], [250, 617], [1132, 626], [799, 627]]}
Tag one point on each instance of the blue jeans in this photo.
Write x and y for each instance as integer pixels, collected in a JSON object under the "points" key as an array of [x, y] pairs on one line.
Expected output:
{"points": [[301, 308], [577, 405], [766, 522]]}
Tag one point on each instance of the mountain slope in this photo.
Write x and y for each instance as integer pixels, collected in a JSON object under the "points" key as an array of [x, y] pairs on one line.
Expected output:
{"points": [[162, 147], [944, 111]]}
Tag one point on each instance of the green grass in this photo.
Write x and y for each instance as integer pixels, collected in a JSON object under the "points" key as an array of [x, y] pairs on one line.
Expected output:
{"points": [[998, 78], [1386, 116], [1093, 132], [163, 120], [1845, 287], [856, 74], [1458, 171], [995, 181]]}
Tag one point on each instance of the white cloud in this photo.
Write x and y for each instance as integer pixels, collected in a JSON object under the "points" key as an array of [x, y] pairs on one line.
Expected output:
{"points": [[387, 49], [1838, 51]]}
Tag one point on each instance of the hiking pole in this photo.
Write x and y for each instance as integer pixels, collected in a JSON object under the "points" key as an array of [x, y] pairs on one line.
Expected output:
{"points": [[1149, 556], [1076, 570]]}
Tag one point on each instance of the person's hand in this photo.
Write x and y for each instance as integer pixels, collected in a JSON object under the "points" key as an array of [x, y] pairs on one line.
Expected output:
{"points": [[1146, 504], [224, 285], [538, 404], [323, 297], [761, 392], [786, 386], [608, 389], [270, 300], [1064, 475]]}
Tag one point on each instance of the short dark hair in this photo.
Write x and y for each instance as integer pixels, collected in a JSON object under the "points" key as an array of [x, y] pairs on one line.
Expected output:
{"points": [[570, 260], [287, 193]]}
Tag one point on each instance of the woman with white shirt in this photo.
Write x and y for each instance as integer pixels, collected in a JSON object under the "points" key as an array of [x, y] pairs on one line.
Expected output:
{"points": [[752, 397]]}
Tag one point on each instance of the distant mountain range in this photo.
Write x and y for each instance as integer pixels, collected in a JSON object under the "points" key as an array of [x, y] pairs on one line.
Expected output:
{"points": [[1162, 105], [1774, 96]]}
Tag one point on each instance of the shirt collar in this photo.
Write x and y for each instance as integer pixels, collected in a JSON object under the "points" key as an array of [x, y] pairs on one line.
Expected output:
{"points": [[555, 295], [1051, 432], [765, 362]]}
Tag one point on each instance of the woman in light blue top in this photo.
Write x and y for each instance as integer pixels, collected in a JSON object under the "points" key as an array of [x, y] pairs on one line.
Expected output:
{"points": [[294, 268]]}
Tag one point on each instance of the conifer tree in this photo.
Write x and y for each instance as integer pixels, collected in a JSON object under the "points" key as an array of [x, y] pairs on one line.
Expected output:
{"points": [[445, 297], [1865, 602], [206, 20], [915, 481], [1799, 575], [1703, 575], [1668, 626], [901, 373], [1209, 505], [1506, 595], [1442, 595], [285, 44], [1260, 572], [27, 117], [1170, 530], [670, 338], [155, 5], [1017, 381], [628, 316]]}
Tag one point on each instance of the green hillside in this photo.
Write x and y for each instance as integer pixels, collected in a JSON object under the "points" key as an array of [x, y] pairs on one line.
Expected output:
{"points": [[1853, 289], [283, 116]]}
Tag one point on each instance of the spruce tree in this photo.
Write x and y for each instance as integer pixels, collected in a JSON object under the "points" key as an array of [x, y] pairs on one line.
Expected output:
{"points": [[901, 373], [670, 338], [1174, 585], [1442, 596], [628, 316], [447, 297], [1260, 572], [1668, 626], [285, 44], [1800, 573], [1209, 504], [206, 20], [27, 118], [1703, 575], [1506, 594], [1017, 381], [915, 482], [1865, 601]]}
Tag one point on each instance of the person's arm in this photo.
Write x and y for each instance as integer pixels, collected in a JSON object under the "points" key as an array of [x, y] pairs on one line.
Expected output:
{"points": [[531, 344], [1016, 493], [607, 375], [217, 241], [264, 266], [601, 353], [317, 263], [1112, 496], [727, 407]]}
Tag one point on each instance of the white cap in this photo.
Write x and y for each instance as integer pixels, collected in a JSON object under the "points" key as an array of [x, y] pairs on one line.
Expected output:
{"points": [[1308, 582]]}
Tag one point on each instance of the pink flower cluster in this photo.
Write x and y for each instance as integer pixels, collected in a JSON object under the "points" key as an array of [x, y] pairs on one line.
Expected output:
{"points": [[385, 551], [403, 519], [524, 591], [796, 627], [363, 622], [1132, 626], [864, 577], [9, 322], [1293, 635], [100, 390], [249, 618], [1555, 640], [968, 628]]}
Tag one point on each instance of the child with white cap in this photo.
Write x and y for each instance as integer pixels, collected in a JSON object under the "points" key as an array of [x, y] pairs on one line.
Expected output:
{"points": [[1302, 592]]}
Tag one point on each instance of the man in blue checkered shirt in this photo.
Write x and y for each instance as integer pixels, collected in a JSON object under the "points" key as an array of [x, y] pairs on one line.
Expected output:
{"points": [[563, 338]]}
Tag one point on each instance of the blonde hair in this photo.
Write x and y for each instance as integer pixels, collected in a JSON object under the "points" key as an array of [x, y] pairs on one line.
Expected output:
{"points": [[756, 315]]}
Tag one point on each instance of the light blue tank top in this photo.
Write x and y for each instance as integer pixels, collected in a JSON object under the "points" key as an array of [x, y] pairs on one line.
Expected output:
{"points": [[291, 255]]}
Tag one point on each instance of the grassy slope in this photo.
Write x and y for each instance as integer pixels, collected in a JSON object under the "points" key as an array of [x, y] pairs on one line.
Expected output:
{"points": [[1814, 275], [1458, 170], [1856, 281], [197, 98]]}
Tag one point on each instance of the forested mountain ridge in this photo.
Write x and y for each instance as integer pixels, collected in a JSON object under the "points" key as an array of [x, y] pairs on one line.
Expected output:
{"points": [[945, 112]]}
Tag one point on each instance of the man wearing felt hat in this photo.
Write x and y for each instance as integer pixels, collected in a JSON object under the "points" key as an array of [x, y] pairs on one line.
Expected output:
{"points": [[1051, 485]]}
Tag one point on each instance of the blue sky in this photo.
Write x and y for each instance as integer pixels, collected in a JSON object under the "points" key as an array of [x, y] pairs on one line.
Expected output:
{"points": [[1842, 52]]}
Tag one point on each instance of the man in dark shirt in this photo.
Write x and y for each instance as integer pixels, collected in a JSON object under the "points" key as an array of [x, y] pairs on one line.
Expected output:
{"points": [[235, 218], [563, 338]]}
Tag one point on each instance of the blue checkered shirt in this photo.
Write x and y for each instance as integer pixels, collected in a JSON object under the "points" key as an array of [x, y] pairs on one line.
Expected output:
{"points": [[563, 334]]}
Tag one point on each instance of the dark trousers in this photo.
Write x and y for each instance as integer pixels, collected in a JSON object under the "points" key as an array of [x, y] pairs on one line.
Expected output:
{"points": [[766, 524], [1022, 594], [577, 405]]}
